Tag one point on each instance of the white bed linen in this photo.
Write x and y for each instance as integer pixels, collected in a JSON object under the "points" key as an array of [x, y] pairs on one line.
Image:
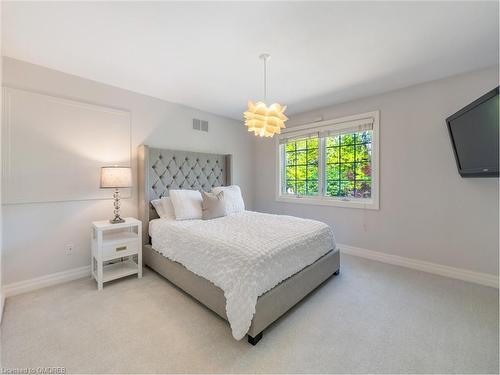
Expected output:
{"points": [[245, 254]]}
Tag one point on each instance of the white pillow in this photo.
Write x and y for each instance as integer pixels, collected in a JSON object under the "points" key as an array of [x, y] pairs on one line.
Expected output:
{"points": [[232, 197], [158, 207], [187, 204], [164, 208]]}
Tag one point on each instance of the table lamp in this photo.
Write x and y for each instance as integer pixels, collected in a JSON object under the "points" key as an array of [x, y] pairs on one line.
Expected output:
{"points": [[115, 178]]}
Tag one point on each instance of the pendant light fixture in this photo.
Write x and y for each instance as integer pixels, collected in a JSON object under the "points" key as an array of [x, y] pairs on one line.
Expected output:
{"points": [[265, 121]]}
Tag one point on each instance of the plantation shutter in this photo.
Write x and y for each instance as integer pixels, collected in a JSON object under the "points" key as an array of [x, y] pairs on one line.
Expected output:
{"points": [[322, 131], [348, 128], [297, 136]]}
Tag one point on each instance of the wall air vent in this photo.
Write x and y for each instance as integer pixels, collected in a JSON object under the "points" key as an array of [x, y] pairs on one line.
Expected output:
{"points": [[201, 125], [204, 126]]}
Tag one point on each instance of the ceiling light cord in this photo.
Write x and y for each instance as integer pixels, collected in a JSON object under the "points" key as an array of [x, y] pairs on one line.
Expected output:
{"points": [[265, 57], [265, 80]]}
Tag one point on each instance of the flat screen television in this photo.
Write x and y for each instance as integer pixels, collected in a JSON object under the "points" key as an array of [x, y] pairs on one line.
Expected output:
{"points": [[474, 137]]}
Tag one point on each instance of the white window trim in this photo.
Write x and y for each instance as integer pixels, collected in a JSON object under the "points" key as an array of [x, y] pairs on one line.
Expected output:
{"points": [[339, 123]]}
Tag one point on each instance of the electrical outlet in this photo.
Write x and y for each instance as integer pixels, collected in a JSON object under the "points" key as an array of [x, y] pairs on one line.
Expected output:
{"points": [[68, 249]]}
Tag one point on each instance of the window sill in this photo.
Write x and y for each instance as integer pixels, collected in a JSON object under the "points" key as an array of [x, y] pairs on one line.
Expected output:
{"points": [[368, 204]]}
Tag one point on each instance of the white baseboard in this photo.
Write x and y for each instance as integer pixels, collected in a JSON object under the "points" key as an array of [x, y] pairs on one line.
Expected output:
{"points": [[13, 289], [434, 268]]}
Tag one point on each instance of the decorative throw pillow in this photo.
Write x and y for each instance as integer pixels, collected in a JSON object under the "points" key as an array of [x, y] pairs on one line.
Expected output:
{"points": [[158, 207], [164, 208], [213, 205], [187, 204], [232, 197]]}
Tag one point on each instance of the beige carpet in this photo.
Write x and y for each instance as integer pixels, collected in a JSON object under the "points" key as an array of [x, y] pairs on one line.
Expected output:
{"points": [[372, 318]]}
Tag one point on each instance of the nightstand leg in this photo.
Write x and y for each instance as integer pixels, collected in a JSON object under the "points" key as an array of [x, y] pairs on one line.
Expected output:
{"points": [[99, 275], [139, 264], [92, 238]]}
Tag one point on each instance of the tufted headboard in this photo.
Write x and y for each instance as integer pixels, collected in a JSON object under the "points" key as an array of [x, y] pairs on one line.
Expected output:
{"points": [[160, 170]]}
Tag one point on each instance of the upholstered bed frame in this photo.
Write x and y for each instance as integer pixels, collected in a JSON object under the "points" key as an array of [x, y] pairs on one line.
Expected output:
{"points": [[161, 170]]}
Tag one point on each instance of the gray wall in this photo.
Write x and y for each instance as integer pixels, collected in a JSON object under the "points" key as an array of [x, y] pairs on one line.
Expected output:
{"points": [[428, 212], [35, 234]]}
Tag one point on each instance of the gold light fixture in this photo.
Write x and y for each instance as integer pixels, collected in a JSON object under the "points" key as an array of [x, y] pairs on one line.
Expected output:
{"points": [[265, 121]]}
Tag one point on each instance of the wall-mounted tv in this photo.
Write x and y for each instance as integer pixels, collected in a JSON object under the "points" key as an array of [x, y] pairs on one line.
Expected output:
{"points": [[474, 137]]}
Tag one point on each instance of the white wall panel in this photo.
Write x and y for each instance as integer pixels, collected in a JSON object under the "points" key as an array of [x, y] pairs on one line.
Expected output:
{"points": [[53, 147]]}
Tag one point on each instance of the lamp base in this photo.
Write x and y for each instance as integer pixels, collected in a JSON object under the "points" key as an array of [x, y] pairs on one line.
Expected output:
{"points": [[116, 220]]}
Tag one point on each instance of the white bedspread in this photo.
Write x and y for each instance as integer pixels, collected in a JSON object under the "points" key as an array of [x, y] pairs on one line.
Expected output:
{"points": [[244, 254]]}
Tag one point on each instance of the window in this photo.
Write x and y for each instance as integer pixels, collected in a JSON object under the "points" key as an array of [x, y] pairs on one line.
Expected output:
{"points": [[302, 167], [333, 162]]}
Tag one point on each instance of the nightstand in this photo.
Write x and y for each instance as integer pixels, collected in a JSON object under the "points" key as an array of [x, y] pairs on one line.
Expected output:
{"points": [[116, 250]]}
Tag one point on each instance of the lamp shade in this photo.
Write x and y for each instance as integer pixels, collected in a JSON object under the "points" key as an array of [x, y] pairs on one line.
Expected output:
{"points": [[265, 121], [116, 177]]}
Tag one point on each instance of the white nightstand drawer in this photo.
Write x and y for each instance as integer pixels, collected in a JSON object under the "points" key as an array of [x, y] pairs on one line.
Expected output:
{"points": [[117, 250]]}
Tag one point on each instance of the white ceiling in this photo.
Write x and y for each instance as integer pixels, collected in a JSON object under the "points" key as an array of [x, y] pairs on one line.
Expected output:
{"points": [[205, 55]]}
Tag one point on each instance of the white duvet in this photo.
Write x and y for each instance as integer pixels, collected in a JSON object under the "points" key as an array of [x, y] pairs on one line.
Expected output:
{"points": [[244, 254]]}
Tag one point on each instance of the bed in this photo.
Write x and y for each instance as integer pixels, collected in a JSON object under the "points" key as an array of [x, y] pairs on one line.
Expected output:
{"points": [[263, 273]]}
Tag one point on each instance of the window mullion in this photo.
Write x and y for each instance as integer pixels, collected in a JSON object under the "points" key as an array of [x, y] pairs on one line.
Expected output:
{"points": [[322, 166], [283, 162]]}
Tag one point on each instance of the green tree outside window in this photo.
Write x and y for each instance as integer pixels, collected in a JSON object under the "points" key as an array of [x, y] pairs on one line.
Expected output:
{"points": [[347, 161]]}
